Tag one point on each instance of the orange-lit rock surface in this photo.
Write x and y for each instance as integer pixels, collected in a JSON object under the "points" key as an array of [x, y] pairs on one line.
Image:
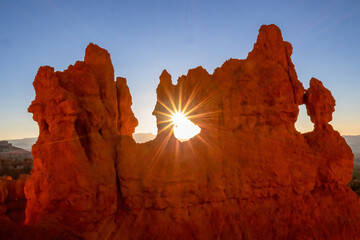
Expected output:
{"points": [[73, 181], [249, 174], [126, 119]]}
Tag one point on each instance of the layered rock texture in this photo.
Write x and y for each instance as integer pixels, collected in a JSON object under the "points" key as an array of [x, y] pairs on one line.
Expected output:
{"points": [[249, 174]]}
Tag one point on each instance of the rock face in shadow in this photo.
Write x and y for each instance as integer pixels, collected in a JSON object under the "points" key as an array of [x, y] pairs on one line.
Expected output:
{"points": [[12, 198], [248, 175]]}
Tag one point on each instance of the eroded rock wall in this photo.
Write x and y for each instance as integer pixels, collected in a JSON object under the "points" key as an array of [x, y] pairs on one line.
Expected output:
{"points": [[73, 181], [248, 174]]}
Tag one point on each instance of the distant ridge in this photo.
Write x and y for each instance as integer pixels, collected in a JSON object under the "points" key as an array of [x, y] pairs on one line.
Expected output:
{"points": [[26, 143], [143, 137], [8, 151], [353, 142], [6, 147]]}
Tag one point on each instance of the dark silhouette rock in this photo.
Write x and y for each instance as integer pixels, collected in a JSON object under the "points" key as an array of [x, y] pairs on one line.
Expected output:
{"points": [[12, 198]]}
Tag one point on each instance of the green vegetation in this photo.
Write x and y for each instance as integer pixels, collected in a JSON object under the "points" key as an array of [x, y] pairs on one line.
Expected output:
{"points": [[14, 167]]}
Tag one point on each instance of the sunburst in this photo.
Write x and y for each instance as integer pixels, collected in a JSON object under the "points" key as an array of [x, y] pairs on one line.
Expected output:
{"points": [[179, 116], [183, 128]]}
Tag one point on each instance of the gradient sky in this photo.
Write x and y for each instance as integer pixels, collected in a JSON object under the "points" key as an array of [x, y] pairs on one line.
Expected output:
{"points": [[145, 37]]}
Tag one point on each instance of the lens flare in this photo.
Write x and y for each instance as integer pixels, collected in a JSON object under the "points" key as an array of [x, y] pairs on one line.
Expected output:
{"points": [[183, 128], [177, 115]]}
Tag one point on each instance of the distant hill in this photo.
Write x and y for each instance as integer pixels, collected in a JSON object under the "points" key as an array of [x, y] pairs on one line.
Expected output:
{"points": [[26, 143], [5, 147], [14, 149], [354, 143], [8, 151], [143, 137], [14, 161], [16, 157]]}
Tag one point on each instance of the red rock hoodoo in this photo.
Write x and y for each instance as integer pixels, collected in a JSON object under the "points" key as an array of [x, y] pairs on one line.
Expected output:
{"points": [[249, 174]]}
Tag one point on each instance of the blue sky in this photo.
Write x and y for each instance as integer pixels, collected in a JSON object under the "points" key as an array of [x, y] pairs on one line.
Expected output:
{"points": [[145, 37]]}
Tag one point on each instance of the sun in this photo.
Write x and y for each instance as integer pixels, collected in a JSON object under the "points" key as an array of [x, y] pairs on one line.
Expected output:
{"points": [[183, 128]]}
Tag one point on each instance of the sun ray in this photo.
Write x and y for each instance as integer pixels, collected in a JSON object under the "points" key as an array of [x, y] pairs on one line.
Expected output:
{"points": [[164, 114], [201, 115], [191, 147], [162, 146], [164, 128], [180, 99], [171, 100], [183, 128], [192, 95], [177, 155], [200, 104], [165, 121], [166, 107], [206, 143], [179, 115]]}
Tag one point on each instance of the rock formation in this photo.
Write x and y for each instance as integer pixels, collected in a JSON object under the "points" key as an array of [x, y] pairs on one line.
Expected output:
{"points": [[9, 152], [126, 119], [74, 179], [249, 174], [12, 198]]}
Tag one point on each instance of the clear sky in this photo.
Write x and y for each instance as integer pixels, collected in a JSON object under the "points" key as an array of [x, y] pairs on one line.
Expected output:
{"points": [[145, 37]]}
